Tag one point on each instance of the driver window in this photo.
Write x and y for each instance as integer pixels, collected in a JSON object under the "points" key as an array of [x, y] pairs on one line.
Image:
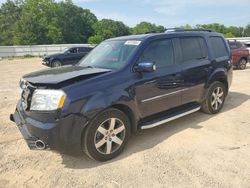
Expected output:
{"points": [[160, 52], [73, 50]]}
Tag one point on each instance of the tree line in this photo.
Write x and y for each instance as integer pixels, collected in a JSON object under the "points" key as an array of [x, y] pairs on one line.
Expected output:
{"points": [[27, 22]]}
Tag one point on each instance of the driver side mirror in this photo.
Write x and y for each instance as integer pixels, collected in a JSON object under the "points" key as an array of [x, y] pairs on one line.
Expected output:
{"points": [[147, 66]]}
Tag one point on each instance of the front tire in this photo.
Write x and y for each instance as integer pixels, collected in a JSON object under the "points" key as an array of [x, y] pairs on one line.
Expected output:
{"points": [[242, 64], [107, 135], [215, 98], [56, 64]]}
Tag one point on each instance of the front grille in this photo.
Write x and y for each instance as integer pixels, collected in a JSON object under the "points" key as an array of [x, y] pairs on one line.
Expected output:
{"points": [[27, 91]]}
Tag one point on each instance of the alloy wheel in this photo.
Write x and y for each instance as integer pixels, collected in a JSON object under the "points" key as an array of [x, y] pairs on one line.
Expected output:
{"points": [[217, 98], [109, 136]]}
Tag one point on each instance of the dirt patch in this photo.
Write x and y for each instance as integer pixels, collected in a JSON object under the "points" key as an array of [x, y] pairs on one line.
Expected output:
{"points": [[198, 150]]}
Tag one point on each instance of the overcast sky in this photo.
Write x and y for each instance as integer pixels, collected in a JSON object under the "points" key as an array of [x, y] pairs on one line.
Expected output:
{"points": [[170, 13]]}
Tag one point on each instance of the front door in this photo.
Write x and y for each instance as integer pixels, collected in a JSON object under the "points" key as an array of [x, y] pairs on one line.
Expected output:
{"points": [[159, 90]]}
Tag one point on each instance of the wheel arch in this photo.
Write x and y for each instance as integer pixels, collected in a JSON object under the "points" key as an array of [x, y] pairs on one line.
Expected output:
{"points": [[221, 76], [129, 113], [99, 103]]}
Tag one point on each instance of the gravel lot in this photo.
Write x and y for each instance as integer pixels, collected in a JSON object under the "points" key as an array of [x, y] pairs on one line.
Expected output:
{"points": [[198, 150]]}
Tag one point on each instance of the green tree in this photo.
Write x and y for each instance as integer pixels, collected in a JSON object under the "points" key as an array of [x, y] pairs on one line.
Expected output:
{"points": [[33, 22], [75, 23], [146, 27], [187, 26], [236, 31], [9, 14], [47, 22], [229, 35], [107, 28], [95, 39], [247, 31]]}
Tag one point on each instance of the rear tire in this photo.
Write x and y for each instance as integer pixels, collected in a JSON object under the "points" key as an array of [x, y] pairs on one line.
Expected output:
{"points": [[242, 64], [215, 98], [106, 135]]}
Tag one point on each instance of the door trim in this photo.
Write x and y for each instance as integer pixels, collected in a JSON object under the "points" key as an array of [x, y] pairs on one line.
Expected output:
{"points": [[161, 96]]}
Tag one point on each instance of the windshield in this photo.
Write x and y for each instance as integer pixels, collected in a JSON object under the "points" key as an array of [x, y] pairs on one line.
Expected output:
{"points": [[65, 50], [110, 54]]}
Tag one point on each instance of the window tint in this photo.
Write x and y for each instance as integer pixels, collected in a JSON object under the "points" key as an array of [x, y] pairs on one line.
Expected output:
{"points": [[193, 48], [84, 50], [218, 47], [161, 52], [73, 50]]}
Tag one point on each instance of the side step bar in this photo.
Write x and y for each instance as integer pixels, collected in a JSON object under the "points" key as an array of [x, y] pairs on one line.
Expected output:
{"points": [[162, 121]]}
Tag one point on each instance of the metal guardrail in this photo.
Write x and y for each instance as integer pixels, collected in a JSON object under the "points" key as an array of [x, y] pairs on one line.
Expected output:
{"points": [[41, 50], [35, 50], [241, 39]]}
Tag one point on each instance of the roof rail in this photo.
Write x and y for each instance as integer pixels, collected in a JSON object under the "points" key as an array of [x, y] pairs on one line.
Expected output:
{"points": [[153, 31], [183, 30]]}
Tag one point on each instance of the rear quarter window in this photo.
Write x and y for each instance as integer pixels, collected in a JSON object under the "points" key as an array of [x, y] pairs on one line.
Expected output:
{"points": [[219, 47]]}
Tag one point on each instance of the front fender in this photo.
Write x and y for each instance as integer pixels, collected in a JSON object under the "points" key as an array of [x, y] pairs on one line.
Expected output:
{"points": [[101, 101]]}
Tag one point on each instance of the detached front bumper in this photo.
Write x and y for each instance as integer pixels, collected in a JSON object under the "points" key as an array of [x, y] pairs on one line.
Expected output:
{"points": [[63, 135]]}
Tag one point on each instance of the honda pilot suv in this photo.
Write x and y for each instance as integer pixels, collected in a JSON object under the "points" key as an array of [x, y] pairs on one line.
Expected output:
{"points": [[123, 85]]}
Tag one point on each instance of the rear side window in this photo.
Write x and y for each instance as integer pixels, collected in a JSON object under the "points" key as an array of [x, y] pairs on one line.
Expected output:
{"points": [[161, 52], [83, 50], [218, 47], [193, 48]]}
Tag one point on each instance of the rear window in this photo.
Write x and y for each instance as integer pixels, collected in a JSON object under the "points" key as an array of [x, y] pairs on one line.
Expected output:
{"points": [[193, 48], [218, 47]]}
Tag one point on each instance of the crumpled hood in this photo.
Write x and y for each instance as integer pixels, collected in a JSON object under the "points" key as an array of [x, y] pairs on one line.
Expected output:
{"points": [[62, 74]]}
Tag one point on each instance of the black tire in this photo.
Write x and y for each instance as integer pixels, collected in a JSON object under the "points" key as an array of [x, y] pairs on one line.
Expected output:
{"points": [[103, 121], [213, 105], [242, 64], [56, 63]]}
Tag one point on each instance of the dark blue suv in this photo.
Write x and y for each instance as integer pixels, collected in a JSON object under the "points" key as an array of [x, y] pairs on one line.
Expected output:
{"points": [[124, 84]]}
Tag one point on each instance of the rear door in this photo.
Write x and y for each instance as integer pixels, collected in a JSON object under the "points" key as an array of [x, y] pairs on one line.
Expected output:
{"points": [[159, 90], [196, 67], [83, 51]]}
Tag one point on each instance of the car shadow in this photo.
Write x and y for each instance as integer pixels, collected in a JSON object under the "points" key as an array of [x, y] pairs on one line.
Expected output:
{"points": [[146, 139]]}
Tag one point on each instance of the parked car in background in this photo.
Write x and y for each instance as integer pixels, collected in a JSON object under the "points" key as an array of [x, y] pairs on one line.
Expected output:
{"points": [[247, 44], [240, 54], [123, 85], [69, 56]]}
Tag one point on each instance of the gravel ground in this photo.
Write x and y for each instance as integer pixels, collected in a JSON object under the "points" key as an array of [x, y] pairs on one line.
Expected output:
{"points": [[198, 150]]}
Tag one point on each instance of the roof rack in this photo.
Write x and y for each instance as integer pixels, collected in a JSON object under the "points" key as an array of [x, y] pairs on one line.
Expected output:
{"points": [[183, 30]]}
